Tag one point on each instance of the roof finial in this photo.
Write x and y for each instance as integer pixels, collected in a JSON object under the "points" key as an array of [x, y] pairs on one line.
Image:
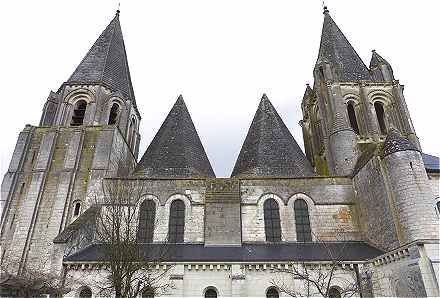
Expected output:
{"points": [[118, 11], [324, 7]]}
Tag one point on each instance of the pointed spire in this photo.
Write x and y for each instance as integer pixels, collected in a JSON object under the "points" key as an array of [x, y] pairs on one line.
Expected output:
{"points": [[395, 142], [176, 151], [377, 60], [309, 92], [337, 50], [270, 149], [380, 69], [106, 62]]}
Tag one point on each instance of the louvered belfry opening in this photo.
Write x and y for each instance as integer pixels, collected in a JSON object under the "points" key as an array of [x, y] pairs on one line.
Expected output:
{"points": [[79, 113]]}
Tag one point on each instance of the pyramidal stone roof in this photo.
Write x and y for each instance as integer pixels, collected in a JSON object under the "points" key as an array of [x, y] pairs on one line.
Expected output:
{"points": [[395, 142], [269, 149], [337, 50], [176, 151], [106, 62], [377, 60]]}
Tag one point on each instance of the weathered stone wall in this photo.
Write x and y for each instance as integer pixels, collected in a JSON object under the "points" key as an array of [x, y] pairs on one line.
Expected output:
{"points": [[332, 212], [53, 168], [412, 196], [375, 214]]}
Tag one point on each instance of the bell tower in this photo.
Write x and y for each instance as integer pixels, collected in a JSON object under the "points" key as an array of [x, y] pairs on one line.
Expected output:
{"points": [[350, 106], [89, 129]]}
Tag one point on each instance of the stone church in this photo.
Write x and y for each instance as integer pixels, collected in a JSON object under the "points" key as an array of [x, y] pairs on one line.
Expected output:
{"points": [[363, 187]]}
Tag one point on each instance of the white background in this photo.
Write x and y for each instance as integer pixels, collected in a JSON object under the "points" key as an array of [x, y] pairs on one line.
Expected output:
{"points": [[221, 55]]}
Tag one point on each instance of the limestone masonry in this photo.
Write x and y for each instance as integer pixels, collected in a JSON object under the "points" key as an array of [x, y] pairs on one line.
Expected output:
{"points": [[364, 188]]}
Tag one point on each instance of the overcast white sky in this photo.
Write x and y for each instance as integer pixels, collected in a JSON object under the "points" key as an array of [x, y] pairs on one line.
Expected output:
{"points": [[221, 55]]}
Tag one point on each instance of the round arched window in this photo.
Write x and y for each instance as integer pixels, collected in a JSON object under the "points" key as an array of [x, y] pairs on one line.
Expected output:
{"points": [[333, 292], [85, 293], [272, 293], [77, 209], [79, 112], [210, 293]]}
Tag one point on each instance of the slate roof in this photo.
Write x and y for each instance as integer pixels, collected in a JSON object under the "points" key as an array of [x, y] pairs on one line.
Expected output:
{"points": [[106, 62], [269, 149], [291, 251], [176, 151], [395, 142], [337, 50], [432, 163], [87, 218]]}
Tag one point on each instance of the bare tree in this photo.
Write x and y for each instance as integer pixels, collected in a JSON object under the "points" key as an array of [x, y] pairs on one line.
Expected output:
{"points": [[312, 279], [32, 281], [132, 265]]}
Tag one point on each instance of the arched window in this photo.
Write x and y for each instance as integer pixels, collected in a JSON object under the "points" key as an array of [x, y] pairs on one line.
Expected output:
{"points": [[77, 209], [131, 133], [85, 293], [333, 292], [352, 117], [79, 112], [380, 114], [147, 216], [114, 114], [272, 225], [148, 293], [272, 293], [177, 222], [210, 293], [303, 231]]}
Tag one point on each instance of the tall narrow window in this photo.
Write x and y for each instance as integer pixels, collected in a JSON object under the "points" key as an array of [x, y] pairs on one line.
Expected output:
{"points": [[272, 224], [77, 209], [303, 231], [147, 216], [352, 117], [380, 113], [438, 208], [131, 133], [114, 114], [177, 222], [78, 113]]}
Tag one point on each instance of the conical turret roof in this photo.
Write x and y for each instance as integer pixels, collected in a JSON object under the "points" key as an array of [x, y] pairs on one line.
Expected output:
{"points": [[395, 142], [106, 62], [269, 149], [176, 151], [377, 60], [337, 50]]}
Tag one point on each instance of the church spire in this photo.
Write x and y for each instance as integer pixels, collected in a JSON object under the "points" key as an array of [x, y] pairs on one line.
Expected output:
{"points": [[106, 62], [269, 149], [336, 50]]}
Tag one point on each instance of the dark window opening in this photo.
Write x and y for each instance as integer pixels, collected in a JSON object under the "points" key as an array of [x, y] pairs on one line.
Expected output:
{"points": [[12, 222], [79, 113], [114, 113], [272, 293], [302, 220], [352, 117], [131, 133], [438, 208], [85, 293], [77, 209], [176, 226], [148, 293], [321, 72], [380, 113], [334, 293], [210, 293], [272, 224], [147, 216]]}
